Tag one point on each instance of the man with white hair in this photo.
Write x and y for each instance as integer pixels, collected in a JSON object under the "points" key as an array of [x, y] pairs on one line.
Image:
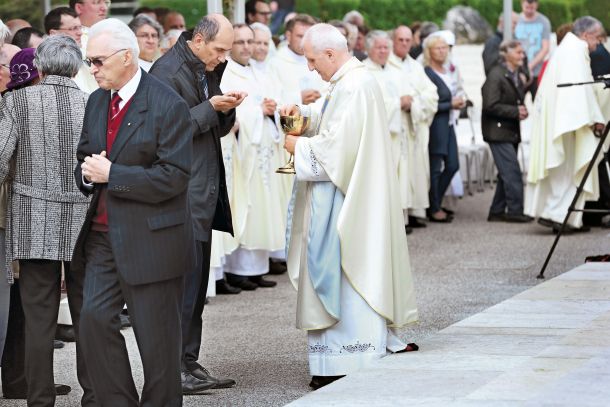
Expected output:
{"points": [[378, 47], [134, 157], [348, 251], [565, 124], [419, 103]]}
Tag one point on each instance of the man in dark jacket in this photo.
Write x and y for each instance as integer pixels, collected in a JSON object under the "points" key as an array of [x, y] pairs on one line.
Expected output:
{"points": [[503, 108], [194, 68]]}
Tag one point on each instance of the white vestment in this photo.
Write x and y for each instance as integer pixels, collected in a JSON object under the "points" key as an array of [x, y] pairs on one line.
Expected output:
{"points": [[257, 201], [350, 152], [388, 78], [562, 142], [417, 123], [291, 72]]}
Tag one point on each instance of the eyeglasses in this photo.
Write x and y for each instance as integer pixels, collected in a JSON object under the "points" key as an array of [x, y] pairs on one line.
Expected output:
{"points": [[98, 62], [76, 28], [242, 42], [154, 36]]}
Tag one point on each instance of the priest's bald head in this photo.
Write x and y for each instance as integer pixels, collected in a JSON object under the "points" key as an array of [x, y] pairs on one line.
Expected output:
{"points": [[590, 30], [325, 49]]}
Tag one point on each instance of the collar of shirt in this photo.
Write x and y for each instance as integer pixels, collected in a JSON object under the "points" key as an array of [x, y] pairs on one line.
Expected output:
{"points": [[129, 89], [294, 56]]}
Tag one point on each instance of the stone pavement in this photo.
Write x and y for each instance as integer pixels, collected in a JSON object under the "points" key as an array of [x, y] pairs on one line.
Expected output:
{"points": [[547, 346]]}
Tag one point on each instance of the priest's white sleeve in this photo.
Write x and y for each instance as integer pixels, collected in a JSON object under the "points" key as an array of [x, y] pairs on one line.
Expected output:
{"points": [[305, 163]]}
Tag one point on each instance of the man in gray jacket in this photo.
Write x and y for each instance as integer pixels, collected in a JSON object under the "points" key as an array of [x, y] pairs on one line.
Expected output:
{"points": [[193, 67]]}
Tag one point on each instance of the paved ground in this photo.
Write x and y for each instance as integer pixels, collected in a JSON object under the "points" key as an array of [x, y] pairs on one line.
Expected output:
{"points": [[460, 269], [547, 346]]}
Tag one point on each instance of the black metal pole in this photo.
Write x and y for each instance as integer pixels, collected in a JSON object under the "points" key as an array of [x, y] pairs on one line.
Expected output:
{"points": [[571, 209]]}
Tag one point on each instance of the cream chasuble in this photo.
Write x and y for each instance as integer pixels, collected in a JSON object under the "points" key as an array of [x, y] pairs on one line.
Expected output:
{"points": [[416, 123], [562, 142], [292, 74], [353, 148], [257, 197], [388, 78]]}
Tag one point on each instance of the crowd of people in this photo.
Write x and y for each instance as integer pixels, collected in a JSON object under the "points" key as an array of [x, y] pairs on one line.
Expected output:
{"points": [[138, 165]]}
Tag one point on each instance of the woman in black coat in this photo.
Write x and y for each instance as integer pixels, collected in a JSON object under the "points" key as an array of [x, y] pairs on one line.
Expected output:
{"points": [[503, 108], [442, 147]]}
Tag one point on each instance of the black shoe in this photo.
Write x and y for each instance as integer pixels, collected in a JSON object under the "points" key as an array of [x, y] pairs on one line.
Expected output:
{"points": [[448, 211], [125, 322], [62, 389], [546, 222], [203, 374], [277, 267], [193, 385], [222, 287], [58, 344], [321, 381], [65, 333], [408, 230], [496, 217], [570, 229], [241, 282], [518, 218], [261, 282], [416, 222]]}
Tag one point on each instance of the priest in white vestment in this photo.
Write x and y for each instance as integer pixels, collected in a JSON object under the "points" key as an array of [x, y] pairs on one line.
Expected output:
{"points": [[348, 253], [563, 140], [289, 66], [419, 103], [378, 47], [257, 201], [260, 62]]}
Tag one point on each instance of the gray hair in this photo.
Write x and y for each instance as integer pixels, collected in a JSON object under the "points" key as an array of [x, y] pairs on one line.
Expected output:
{"points": [[505, 46], [121, 34], [58, 55], [324, 36], [141, 20], [585, 24], [353, 15], [374, 35], [208, 28], [261, 27], [5, 33]]}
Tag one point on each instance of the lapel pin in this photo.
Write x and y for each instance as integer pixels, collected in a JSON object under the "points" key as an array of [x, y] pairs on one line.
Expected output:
{"points": [[129, 124]]}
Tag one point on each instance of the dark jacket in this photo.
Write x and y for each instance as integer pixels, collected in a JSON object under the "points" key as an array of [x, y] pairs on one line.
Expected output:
{"points": [[600, 61], [209, 201], [500, 113], [146, 197], [440, 131]]}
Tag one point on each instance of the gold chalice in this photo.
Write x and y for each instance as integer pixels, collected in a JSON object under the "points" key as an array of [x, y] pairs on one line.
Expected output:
{"points": [[294, 126]]}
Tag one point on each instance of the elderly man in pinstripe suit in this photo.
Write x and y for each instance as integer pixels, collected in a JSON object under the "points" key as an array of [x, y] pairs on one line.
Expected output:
{"points": [[39, 130], [134, 156]]}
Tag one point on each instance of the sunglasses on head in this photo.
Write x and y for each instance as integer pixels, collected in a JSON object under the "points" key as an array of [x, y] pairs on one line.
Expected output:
{"points": [[98, 62]]}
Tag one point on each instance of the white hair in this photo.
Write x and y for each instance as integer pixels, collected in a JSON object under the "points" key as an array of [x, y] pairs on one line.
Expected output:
{"points": [[5, 33], [324, 36], [121, 34], [353, 15], [372, 36], [260, 26]]}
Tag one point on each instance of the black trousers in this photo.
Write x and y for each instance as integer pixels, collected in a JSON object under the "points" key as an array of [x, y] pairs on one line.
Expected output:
{"points": [[154, 310], [13, 355], [40, 288], [508, 197], [195, 289]]}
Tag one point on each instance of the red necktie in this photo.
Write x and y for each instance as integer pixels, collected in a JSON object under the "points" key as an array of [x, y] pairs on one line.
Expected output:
{"points": [[114, 105]]}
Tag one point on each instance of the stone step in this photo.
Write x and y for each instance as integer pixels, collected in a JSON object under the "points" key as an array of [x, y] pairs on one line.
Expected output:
{"points": [[548, 346]]}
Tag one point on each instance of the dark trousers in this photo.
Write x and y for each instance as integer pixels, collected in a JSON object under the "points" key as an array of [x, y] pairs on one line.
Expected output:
{"points": [[509, 190], [40, 289], [442, 169], [195, 289], [13, 355], [154, 310]]}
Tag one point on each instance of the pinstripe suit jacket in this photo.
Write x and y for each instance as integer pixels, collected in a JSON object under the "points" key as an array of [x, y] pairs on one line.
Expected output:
{"points": [[148, 220], [40, 127]]}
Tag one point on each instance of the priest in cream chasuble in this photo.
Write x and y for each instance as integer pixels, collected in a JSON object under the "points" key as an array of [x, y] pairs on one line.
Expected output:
{"points": [[563, 140], [347, 253]]}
